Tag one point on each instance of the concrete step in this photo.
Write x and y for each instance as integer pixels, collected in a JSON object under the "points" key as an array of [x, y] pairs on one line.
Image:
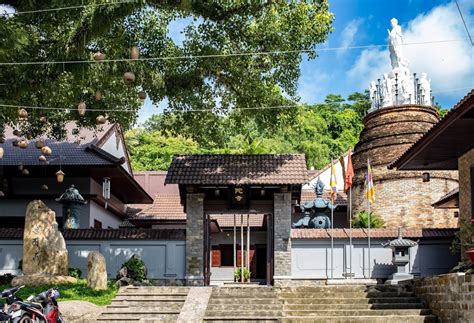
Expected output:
{"points": [[237, 319], [141, 318], [240, 300], [153, 298], [245, 313], [363, 319], [287, 295], [147, 305], [244, 307], [317, 307], [366, 312], [359, 300], [171, 289]]}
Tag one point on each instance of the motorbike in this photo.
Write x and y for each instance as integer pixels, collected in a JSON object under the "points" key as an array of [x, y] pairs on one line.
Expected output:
{"points": [[10, 296]]}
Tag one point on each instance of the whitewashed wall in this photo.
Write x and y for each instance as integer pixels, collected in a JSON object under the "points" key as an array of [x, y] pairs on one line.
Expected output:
{"points": [[311, 259], [165, 259], [325, 176], [114, 146], [98, 212]]}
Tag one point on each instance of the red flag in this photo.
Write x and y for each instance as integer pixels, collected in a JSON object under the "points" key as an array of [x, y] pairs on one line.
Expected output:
{"points": [[349, 172]]}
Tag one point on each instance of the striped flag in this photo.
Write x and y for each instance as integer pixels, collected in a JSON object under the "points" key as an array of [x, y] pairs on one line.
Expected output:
{"points": [[349, 172], [333, 182], [369, 184]]}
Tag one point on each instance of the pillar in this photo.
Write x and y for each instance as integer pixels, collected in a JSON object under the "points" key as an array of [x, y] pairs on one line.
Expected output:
{"points": [[282, 242], [195, 239]]}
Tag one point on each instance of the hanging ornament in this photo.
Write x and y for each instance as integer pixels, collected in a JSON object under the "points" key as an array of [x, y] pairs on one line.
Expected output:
{"points": [[60, 176], [43, 119], [142, 95], [16, 132], [99, 56], [20, 166], [2, 152], [129, 77], [39, 143], [100, 119], [29, 135], [22, 114], [106, 190], [134, 52], [22, 143], [98, 95], [46, 151], [81, 107], [25, 172], [2, 194], [42, 158], [44, 187]]}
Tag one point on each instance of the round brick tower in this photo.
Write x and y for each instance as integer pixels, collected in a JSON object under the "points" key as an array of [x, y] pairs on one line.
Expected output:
{"points": [[402, 199]]}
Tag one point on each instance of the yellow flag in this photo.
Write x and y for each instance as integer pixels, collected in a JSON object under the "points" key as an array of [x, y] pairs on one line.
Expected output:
{"points": [[333, 182], [369, 184]]}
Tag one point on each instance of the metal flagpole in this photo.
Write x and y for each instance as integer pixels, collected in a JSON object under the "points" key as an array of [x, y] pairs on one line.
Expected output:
{"points": [[235, 245], [332, 236], [368, 208], [350, 230], [248, 241], [242, 248]]}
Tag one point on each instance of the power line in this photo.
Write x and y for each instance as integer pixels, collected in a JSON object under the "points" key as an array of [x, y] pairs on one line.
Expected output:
{"points": [[67, 8], [464, 22], [279, 52]]}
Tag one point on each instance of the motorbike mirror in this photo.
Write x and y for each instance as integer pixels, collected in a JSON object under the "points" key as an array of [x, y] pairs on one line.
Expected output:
{"points": [[30, 298]]}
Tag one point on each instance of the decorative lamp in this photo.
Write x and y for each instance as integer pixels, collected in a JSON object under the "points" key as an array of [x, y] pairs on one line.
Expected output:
{"points": [[106, 190], [43, 119], [44, 187], [400, 257], [42, 158], [217, 192], [20, 166], [142, 95], [46, 151], [100, 119], [99, 56], [22, 114], [39, 143], [426, 177], [72, 202], [25, 172], [129, 77], [134, 52], [23, 143], [98, 95], [2, 152], [81, 107], [60, 176]]}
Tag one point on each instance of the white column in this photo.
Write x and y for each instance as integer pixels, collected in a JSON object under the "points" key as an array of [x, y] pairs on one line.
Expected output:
{"points": [[242, 248], [248, 241]]}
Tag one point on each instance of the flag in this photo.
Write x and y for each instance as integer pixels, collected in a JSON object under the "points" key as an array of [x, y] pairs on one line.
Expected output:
{"points": [[333, 182], [369, 184], [349, 172]]}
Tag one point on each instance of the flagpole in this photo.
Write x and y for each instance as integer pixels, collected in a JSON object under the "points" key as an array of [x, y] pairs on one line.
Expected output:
{"points": [[368, 216], [350, 231], [332, 236]]}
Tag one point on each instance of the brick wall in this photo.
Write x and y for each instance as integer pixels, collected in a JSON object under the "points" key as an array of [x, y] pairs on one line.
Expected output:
{"points": [[450, 296], [402, 199], [465, 163], [194, 239], [282, 225]]}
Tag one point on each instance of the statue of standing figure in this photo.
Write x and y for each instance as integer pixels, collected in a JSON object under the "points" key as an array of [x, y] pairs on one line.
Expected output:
{"points": [[387, 85], [425, 89], [373, 95], [395, 45]]}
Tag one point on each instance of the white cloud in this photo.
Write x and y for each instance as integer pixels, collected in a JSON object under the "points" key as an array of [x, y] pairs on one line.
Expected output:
{"points": [[312, 86], [449, 64], [349, 33]]}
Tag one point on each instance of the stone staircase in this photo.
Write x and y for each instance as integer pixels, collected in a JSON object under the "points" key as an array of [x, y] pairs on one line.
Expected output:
{"points": [[161, 304]]}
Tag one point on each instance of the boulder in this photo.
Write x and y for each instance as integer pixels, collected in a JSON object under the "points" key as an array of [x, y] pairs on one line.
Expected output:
{"points": [[79, 311], [39, 279], [96, 271], [44, 248]]}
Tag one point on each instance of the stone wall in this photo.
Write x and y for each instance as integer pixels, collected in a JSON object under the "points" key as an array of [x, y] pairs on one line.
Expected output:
{"points": [[194, 239], [402, 199], [465, 163], [450, 296], [282, 229]]}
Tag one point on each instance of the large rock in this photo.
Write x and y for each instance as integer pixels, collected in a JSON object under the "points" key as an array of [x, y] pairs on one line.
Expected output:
{"points": [[79, 311], [42, 279], [44, 248], [96, 271]]}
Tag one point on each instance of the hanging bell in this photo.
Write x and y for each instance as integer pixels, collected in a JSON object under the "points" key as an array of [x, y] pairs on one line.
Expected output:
{"points": [[142, 95], [134, 52], [39, 143], [22, 114], [99, 56], [98, 95], [100, 119], [44, 187], [25, 172], [46, 151], [2, 152], [22, 143], [129, 77], [60, 176], [81, 107], [42, 158]]}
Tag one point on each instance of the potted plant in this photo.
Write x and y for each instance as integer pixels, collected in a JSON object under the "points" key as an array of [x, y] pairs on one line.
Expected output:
{"points": [[238, 273]]}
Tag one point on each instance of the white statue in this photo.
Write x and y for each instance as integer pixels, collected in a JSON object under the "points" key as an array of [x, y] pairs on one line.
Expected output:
{"points": [[387, 85], [373, 94], [425, 90], [406, 86], [395, 45]]}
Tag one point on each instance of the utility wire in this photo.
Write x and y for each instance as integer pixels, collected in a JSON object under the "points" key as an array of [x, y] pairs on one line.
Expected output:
{"points": [[67, 8], [464, 23], [165, 58]]}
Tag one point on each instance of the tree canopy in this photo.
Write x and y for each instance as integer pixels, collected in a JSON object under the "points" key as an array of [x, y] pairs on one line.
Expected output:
{"points": [[184, 73]]}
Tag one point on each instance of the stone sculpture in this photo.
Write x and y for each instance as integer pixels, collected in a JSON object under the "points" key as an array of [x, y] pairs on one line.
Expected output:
{"points": [[96, 271], [399, 86], [45, 257]]}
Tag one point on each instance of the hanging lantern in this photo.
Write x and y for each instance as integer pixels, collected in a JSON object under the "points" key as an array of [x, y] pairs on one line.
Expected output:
{"points": [[16, 132], [2, 194], [29, 135], [60, 176], [81, 107], [100, 119], [23, 143], [129, 77], [39, 143], [99, 56], [106, 190], [25, 172], [134, 52], [72, 202], [142, 95], [22, 114], [2, 152], [20, 166], [43, 120], [44, 187], [42, 158], [98, 95], [46, 151]]}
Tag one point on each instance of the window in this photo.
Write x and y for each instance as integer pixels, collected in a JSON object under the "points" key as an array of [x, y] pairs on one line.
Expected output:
{"points": [[97, 224]]}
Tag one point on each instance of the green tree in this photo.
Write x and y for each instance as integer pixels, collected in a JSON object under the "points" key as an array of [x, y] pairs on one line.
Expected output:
{"points": [[216, 85], [361, 220]]}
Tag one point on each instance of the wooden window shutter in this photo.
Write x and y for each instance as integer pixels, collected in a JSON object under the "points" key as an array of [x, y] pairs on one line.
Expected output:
{"points": [[216, 256]]}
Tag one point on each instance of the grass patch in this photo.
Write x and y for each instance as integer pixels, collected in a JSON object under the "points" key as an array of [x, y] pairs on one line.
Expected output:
{"points": [[72, 292]]}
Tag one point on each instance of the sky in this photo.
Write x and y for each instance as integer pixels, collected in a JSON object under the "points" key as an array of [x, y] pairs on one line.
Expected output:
{"points": [[449, 65]]}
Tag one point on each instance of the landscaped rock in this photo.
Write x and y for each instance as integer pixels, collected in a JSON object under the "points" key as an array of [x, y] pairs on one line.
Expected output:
{"points": [[79, 311], [39, 279], [44, 248], [96, 271]]}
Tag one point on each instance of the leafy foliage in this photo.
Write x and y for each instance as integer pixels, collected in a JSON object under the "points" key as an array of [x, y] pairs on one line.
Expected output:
{"points": [[361, 220], [238, 274], [75, 272], [136, 269], [216, 86], [319, 131]]}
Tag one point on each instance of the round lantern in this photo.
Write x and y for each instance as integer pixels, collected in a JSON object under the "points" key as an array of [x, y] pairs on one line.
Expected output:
{"points": [[22, 114], [100, 119], [46, 151], [43, 119], [39, 143], [129, 77], [98, 95], [20, 166], [42, 158], [60, 176], [2, 151], [25, 172], [44, 187], [2, 194], [142, 95], [134, 52], [99, 56], [81, 107], [23, 143]]}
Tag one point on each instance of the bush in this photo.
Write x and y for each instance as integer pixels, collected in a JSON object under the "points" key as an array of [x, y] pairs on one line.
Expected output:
{"points": [[6, 279], [136, 269], [238, 274], [361, 221], [75, 272]]}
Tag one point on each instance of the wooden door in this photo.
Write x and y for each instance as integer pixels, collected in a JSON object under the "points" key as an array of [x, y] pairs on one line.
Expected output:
{"points": [[207, 250], [270, 249]]}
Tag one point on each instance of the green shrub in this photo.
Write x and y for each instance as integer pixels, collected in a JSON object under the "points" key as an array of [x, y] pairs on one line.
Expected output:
{"points": [[238, 274], [361, 221], [75, 272], [136, 269]]}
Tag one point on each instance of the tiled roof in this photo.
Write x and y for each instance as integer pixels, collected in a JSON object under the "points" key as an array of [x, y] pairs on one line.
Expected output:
{"points": [[374, 233], [237, 169], [126, 224], [309, 195], [227, 220], [451, 194], [106, 234], [164, 207]]}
